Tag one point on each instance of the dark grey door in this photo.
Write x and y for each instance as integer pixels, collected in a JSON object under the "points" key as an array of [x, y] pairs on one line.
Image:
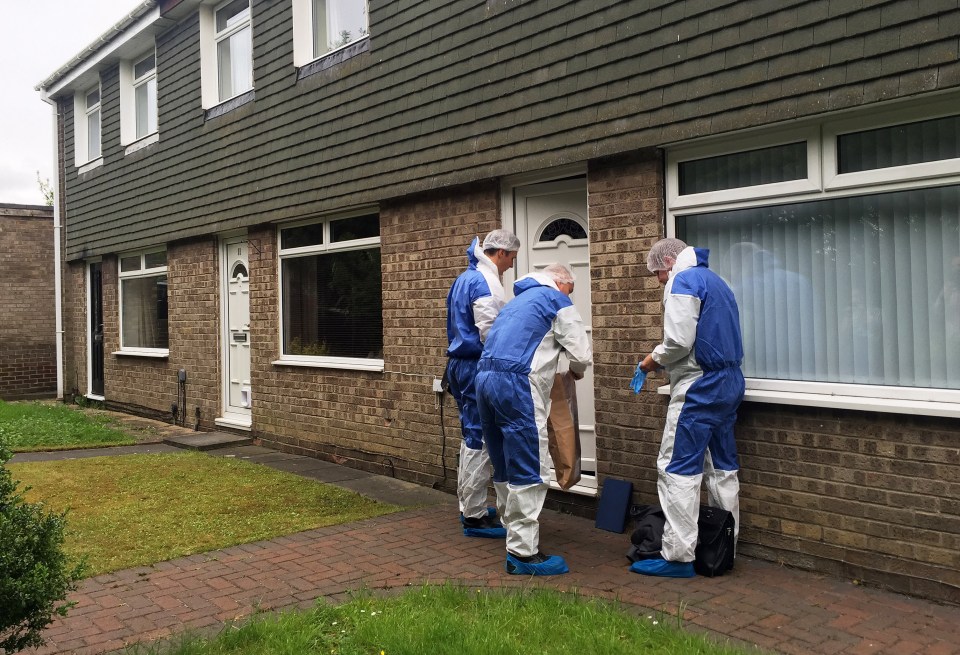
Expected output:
{"points": [[96, 329]]}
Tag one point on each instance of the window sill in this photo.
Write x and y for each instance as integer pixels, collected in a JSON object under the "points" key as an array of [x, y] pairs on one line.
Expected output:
{"points": [[142, 143], [334, 58], [95, 397], [148, 354], [846, 401], [229, 105], [332, 362], [90, 165]]}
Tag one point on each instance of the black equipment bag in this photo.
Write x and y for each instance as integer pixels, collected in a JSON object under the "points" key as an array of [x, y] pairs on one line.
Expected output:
{"points": [[648, 535], [715, 546]]}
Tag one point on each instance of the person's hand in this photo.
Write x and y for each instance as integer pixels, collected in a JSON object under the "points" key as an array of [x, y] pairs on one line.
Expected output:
{"points": [[649, 365]]}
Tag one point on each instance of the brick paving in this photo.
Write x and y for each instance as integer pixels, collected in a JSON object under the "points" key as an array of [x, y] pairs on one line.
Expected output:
{"points": [[776, 608]]}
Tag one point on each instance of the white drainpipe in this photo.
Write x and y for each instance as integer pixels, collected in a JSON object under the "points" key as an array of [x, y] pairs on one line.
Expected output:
{"points": [[57, 286]]}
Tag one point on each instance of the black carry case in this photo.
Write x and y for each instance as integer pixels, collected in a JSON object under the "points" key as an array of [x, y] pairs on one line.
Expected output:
{"points": [[715, 546]]}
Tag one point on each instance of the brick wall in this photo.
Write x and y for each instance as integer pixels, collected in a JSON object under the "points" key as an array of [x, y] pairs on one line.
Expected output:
{"points": [[28, 352], [74, 330], [868, 496], [149, 386], [386, 422]]}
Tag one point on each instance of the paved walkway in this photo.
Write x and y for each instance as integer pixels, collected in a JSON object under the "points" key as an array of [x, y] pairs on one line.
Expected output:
{"points": [[777, 608]]}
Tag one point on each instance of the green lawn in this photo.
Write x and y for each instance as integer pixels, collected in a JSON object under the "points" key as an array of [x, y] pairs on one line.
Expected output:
{"points": [[134, 510], [30, 426], [453, 620]]}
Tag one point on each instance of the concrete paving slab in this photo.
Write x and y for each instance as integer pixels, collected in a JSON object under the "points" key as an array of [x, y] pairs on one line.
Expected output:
{"points": [[303, 464], [397, 492], [208, 440], [326, 472]]}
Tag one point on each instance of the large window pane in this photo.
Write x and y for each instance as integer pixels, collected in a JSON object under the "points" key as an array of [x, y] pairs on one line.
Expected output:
{"points": [[146, 105], [235, 64], [899, 145], [862, 290], [743, 169], [144, 312], [332, 305], [93, 134]]}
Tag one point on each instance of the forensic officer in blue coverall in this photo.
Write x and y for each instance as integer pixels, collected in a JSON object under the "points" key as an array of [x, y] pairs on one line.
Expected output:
{"points": [[514, 377], [702, 351], [473, 302]]}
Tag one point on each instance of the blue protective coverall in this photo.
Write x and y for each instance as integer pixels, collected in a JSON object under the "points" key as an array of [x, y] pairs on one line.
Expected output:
{"points": [[702, 351], [514, 378], [474, 300]]}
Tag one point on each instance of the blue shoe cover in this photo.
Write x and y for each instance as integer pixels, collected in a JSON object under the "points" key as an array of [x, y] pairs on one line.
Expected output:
{"points": [[491, 511], [486, 533], [663, 569], [553, 565]]}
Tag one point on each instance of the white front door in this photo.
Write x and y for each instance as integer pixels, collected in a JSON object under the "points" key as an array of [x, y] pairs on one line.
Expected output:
{"points": [[551, 221], [237, 394]]}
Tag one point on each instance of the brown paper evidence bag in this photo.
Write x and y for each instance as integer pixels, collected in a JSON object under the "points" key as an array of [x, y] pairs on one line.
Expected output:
{"points": [[563, 430]]}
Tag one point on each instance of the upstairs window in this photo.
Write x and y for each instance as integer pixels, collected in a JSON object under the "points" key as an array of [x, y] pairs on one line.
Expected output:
{"points": [[234, 49], [226, 52], [143, 303], [138, 101], [337, 23], [331, 285], [92, 109], [325, 26], [145, 95], [86, 128]]}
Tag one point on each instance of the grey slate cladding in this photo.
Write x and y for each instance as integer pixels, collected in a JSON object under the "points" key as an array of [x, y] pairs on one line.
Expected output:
{"points": [[457, 91]]}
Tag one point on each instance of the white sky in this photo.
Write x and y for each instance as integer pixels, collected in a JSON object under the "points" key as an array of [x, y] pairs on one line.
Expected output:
{"points": [[36, 38]]}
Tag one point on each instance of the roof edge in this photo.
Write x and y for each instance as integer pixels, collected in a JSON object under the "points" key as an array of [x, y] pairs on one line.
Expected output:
{"points": [[101, 41]]}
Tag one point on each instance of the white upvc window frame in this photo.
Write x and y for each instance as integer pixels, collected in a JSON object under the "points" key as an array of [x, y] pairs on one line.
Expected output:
{"points": [[893, 175], [314, 361], [824, 182], [129, 84], [210, 58], [675, 156], [142, 272], [304, 27], [81, 128]]}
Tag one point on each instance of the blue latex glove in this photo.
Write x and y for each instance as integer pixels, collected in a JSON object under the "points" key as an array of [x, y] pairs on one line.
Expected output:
{"points": [[639, 377]]}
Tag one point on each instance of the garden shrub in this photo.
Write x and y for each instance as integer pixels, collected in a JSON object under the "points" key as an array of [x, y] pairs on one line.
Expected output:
{"points": [[35, 575]]}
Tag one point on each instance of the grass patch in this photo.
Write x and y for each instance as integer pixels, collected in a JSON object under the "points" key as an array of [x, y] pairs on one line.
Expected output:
{"points": [[36, 425], [136, 510], [456, 621]]}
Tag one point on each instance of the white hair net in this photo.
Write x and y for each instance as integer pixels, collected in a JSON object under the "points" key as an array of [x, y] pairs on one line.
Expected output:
{"points": [[656, 259], [560, 273], [501, 240]]}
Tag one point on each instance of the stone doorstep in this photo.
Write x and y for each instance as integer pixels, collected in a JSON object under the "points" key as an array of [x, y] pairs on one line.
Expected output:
{"points": [[203, 441]]}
